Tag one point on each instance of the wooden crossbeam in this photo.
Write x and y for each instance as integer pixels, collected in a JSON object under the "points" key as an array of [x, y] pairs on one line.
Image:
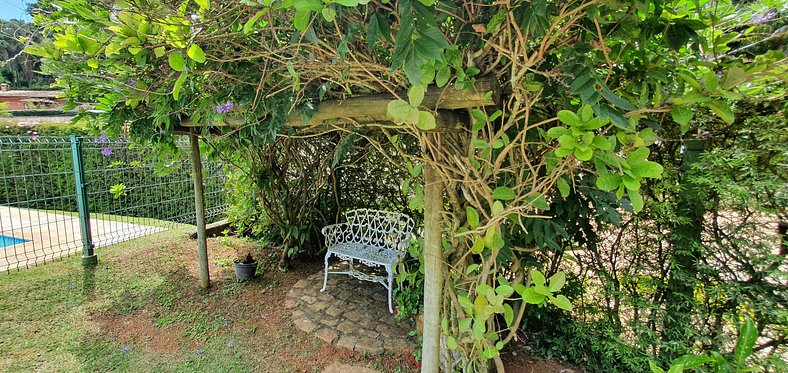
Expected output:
{"points": [[373, 108]]}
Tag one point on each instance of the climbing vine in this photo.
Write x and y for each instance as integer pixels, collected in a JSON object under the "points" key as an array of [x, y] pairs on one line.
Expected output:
{"points": [[582, 89]]}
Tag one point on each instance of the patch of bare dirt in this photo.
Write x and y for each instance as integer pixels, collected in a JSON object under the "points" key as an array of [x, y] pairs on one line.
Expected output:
{"points": [[138, 329], [253, 312]]}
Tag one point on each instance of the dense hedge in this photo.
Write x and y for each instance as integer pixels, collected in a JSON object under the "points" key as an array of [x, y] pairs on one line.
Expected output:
{"points": [[41, 113], [37, 173]]}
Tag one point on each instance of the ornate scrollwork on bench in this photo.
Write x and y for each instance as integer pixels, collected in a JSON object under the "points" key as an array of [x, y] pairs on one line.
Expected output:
{"points": [[371, 237]]}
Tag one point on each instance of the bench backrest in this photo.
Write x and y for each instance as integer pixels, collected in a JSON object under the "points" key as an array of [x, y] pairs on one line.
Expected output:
{"points": [[387, 229]]}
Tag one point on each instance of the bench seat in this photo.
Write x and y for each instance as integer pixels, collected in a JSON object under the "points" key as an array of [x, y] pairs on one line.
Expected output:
{"points": [[372, 237]]}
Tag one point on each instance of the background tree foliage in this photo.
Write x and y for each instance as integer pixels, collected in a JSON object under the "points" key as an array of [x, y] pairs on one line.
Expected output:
{"points": [[601, 108]]}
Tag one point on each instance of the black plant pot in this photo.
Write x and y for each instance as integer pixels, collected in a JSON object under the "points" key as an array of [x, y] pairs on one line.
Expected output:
{"points": [[245, 271]]}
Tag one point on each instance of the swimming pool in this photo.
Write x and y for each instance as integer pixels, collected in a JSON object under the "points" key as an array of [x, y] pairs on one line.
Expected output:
{"points": [[8, 241]]}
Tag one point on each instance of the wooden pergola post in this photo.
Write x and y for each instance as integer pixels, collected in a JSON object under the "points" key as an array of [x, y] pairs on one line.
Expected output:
{"points": [[433, 271], [199, 210]]}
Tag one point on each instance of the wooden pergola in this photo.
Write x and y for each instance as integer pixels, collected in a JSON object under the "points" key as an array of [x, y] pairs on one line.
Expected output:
{"points": [[449, 105]]}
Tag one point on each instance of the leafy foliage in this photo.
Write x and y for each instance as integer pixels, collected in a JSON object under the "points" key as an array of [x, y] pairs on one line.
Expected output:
{"points": [[595, 99]]}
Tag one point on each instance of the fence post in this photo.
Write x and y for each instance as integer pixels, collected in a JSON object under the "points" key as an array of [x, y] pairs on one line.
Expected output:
{"points": [[88, 257]]}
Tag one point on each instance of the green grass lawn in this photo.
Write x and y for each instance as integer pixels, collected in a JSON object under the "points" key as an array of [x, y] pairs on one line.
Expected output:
{"points": [[141, 310]]}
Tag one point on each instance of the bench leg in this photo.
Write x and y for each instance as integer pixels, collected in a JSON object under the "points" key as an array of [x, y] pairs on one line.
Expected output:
{"points": [[391, 281], [325, 272]]}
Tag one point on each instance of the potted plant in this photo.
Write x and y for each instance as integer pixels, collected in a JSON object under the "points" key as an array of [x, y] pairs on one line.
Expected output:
{"points": [[245, 268]]}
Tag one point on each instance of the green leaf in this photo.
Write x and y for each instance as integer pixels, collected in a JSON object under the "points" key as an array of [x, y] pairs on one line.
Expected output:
{"points": [[603, 143], [473, 267], [196, 53], [473, 217], [426, 121], [734, 77], [478, 328], [682, 115], [711, 81], [158, 51], [655, 368], [204, 4], [569, 117], [443, 75], [608, 181], [583, 153], [176, 89], [478, 246], [748, 333], [115, 47], [562, 302], [504, 290], [537, 278], [416, 95], [399, 110], [249, 25], [497, 207], [691, 361], [586, 113], [308, 5], [465, 324], [301, 19], [636, 200], [176, 61], [464, 301], [557, 282], [451, 343], [508, 314], [648, 169], [722, 109], [563, 187], [678, 368], [504, 193], [418, 41], [564, 151], [532, 297], [631, 183], [541, 289]]}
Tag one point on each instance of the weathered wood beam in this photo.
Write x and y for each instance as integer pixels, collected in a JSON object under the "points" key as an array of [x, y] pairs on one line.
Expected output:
{"points": [[445, 121], [373, 108]]}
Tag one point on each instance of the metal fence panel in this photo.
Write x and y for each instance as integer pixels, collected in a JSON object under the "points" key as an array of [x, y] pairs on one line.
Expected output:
{"points": [[129, 195]]}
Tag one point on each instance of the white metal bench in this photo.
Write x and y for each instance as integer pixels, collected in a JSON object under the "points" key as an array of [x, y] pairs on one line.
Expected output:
{"points": [[374, 238]]}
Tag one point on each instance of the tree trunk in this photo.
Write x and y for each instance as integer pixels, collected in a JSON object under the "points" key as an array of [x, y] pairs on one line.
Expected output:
{"points": [[685, 237], [433, 271]]}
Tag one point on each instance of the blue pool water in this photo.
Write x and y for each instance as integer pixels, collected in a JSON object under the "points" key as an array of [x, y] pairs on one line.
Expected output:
{"points": [[8, 241]]}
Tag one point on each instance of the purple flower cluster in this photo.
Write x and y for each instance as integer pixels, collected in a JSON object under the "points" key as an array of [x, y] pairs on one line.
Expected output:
{"points": [[226, 108], [102, 138], [766, 17]]}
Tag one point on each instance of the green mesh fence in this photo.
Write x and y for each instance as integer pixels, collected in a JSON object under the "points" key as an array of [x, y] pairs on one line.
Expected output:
{"points": [[128, 194]]}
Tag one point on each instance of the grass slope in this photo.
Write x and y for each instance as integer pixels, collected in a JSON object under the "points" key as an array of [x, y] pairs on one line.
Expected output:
{"points": [[140, 310]]}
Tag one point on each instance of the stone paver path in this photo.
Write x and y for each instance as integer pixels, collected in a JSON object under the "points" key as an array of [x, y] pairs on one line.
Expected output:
{"points": [[350, 314]]}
